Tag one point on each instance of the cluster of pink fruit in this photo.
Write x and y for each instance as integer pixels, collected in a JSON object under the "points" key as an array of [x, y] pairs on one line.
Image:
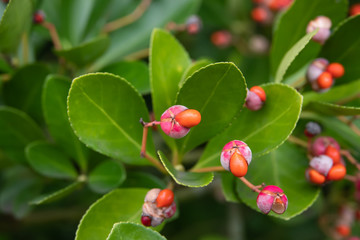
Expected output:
{"points": [[264, 10], [321, 74]]}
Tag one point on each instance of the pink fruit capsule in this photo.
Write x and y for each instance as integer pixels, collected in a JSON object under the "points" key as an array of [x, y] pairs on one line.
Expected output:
{"points": [[272, 198], [232, 147]]}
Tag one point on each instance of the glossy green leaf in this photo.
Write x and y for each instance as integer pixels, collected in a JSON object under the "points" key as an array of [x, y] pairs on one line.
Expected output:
{"points": [[344, 47], [106, 176], [292, 25], [14, 22], [16, 192], [49, 161], [228, 185], [23, 91], [168, 62], [285, 168], [128, 230], [189, 179], [17, 131], [262, 130], [73, 26], [291, 55], [335, 94], [138, 33], [116, 206], [218, 92], [141, 179], [104, 111], [48, 198], [54, 97], [136, 72], [195, 66], [85, 53], [332, 109]]}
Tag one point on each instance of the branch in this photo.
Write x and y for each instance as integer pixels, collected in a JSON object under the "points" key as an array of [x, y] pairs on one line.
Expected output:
{"points": [[132, 17], [298, 141], [53, 33], [351, 159], [350, 124], [251, 186]]}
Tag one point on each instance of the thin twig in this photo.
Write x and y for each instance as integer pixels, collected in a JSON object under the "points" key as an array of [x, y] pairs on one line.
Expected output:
{"points": [[251, 186], [351, 159], [53, 34], [298, 141], [350, 124], [349, 99], [350, 178], [209, 169], [132, 17], [137, 55]]}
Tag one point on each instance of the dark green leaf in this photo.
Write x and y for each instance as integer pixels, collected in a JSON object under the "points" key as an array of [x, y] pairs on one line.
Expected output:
{"points": [[228, 184], [116, 206], [332, 109], [104, 110], [291, 55], [54, 99], [107, 176], [49, 161], [14, 22], [344, 47], [168, 62], [85, 53], [138, 33], [335, 94], [137, 73], [218, 92], [140, 179], [284, 168], [23, 91], [17, 131], [189, 179], [127, 230], [262, 130], [292, 26], [44, 199], [19, 186]]}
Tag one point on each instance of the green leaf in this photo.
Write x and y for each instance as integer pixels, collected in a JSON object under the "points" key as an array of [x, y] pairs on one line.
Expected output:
{"points": [[137, 73], [168, 62], [228, 185], [116, 206], [189, 179], [106, 176], [44, 199], [262, 130], [85, 53], [335, 94], [15, 20], [138, 33], [19, 186], [284, 168], [291, 55], [54, 97], [104, 111], [292, 25], [332, 109], [17, 131], [23, 91], [195, 66], [218, 92], [344, 47], [140, 179], [49, 161], [128, 230]]}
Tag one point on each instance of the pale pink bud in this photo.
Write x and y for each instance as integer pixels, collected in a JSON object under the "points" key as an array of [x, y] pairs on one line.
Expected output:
{"points": [[321, 143], [253, 101], [322, 23]]}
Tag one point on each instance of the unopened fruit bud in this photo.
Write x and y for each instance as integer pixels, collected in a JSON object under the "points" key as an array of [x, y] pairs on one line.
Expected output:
{"points": [[323, 24], [321, 143], [177, 121], [221, 39], [316, 68], [193, 25], [235, 157], [312, 129], [253, 101], [272, 198], [261, 15], [39, 17]]}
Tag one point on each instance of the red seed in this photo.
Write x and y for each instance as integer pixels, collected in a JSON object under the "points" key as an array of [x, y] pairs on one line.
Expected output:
{"points": [[325, 80], [316, 177], [333, 153], [238, 165], [260, 92], [146, 221], [165, 198], [337, 172], [188, 118], [336, 70]]}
